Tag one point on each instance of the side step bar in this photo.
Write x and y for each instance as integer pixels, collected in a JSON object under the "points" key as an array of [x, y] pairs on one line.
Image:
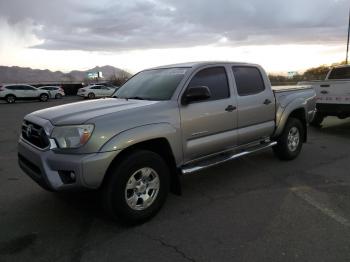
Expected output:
{"points": [[192, 168]]}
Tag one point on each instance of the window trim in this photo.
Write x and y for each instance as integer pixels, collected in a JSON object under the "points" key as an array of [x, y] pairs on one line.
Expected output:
{"points": [[205, 68], [234, 78]]}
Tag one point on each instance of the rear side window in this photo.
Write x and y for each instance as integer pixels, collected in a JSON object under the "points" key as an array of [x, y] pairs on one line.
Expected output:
{"points": [[215, 79], [248, 80], [12, 87], [27, 88], [96, 87], [340, 73]]}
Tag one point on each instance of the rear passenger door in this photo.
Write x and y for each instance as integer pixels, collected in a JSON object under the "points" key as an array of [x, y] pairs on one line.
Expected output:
{"points": [[106, 91], [97, 91], [256, 105], [209, 126]]}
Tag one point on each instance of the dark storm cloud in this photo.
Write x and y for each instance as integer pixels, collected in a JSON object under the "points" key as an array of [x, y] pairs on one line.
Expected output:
{"points": [[116, 25]]}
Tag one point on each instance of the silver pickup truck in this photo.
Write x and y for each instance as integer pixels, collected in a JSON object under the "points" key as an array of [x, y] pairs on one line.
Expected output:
{"points": [[164, 122]]}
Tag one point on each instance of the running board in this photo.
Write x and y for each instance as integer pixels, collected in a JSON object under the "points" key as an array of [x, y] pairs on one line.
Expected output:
{"points": [[222, 158]]}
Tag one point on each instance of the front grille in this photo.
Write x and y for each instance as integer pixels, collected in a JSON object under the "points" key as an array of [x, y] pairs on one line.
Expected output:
{"points": [[35, 135]]}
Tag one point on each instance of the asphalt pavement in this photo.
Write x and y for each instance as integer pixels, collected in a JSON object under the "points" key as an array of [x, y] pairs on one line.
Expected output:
{"points": [[256, 208]]}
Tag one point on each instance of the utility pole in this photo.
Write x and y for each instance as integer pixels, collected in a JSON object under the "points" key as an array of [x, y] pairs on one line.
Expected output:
{"points": [[347, 47]]}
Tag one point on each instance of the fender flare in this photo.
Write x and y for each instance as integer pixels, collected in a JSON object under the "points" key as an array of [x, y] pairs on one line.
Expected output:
{"points": [[145, 133], [282, 116]]}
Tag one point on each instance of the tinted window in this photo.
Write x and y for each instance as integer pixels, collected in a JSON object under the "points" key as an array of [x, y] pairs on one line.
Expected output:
{"points": [[340, 73], [46, 88], [156, 84], [96, 87], [248, 80], [215, 79], [27, 88], [12, 87]]}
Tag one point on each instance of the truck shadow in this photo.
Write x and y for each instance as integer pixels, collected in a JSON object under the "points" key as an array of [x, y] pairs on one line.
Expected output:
{"points": [[335, 126]]}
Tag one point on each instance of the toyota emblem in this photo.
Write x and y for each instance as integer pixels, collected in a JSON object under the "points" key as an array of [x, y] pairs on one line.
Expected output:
{"points": [[29, 130]]}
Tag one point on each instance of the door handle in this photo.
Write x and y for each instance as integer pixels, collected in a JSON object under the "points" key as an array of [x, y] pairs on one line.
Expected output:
{"points": [[267, 102], [324, 92], [230, 108]]}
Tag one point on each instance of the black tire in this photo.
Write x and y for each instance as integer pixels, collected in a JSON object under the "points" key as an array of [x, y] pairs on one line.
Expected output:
{"points": [[318, 119], [58, 96], [44, 97], [115, 193], [343, 116], [284, 150], [91, 95], [10, 99]]}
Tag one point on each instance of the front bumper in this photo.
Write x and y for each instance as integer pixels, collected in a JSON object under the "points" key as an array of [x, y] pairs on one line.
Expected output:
{"points": [[45, 167]]}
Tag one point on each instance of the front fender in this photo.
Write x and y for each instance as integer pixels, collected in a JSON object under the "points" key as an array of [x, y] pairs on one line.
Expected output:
{"points": [[145, 133]]}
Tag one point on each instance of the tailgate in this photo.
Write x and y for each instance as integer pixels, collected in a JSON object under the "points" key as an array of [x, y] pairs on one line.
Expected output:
{"points": [[333, 92]]}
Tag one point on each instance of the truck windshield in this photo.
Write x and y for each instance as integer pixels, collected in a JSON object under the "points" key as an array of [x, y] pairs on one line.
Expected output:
{"points": [[156, 84]]}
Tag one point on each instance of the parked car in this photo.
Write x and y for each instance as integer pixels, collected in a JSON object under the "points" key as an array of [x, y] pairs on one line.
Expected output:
{"points": [[333, 94], [54, 91], [11, 93], [163, 122], [94, 91]]}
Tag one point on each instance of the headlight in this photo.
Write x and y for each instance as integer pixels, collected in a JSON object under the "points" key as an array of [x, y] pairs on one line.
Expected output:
{"points": [[72, 136]]}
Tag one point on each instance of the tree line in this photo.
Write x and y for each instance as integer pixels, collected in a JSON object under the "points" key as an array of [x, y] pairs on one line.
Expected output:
{"points": [[315, 73]]}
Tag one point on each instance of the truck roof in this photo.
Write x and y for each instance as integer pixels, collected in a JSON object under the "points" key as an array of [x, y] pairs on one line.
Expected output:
{"points": [[201, 63]]}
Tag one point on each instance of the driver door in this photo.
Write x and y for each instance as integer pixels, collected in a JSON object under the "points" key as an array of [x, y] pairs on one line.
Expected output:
{"points": [[209, 126]]}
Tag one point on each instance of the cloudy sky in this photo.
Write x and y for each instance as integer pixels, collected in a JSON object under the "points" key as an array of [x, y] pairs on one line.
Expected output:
{"points": [[136, 34]]}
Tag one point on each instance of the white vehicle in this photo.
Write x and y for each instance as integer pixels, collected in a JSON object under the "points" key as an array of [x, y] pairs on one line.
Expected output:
{"points": [[94, 91], [333, 94], [54, 91], [11, 93]]}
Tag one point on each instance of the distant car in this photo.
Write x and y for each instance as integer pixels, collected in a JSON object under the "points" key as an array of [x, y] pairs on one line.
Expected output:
{"points": [[110, 85], [54, 91], [11, 93], [94, 91]]}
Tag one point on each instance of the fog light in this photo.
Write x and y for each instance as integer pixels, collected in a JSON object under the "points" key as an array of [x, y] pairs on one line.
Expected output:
{"points": [[67, 177]]}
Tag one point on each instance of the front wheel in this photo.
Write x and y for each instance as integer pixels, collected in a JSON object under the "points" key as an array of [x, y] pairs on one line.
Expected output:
{"points": [[290, 142], [58, 96], [10, 99], [91, 95], [136, 187]]}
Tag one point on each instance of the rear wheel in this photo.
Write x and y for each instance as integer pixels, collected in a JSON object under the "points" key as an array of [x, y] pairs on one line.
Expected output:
{"points": [[290, 142], [136, 187], [44, 97], [318, 119], [10, 99], [91, 95]]}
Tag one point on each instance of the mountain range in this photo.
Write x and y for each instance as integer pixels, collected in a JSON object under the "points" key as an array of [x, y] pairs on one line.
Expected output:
{"points": [[15, 74]]}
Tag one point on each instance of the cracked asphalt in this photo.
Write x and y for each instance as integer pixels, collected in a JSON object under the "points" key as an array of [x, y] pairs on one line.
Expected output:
{"points": [[256, 208]]}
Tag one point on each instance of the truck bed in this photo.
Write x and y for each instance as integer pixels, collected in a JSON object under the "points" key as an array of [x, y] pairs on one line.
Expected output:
{"points": [[279, 89]]}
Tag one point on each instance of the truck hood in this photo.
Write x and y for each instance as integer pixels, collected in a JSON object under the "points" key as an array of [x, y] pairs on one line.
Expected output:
{"points": [[81, 112]]}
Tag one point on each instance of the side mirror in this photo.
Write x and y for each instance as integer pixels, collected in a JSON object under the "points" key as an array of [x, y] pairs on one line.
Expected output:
{"points": [[196, 93]]}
